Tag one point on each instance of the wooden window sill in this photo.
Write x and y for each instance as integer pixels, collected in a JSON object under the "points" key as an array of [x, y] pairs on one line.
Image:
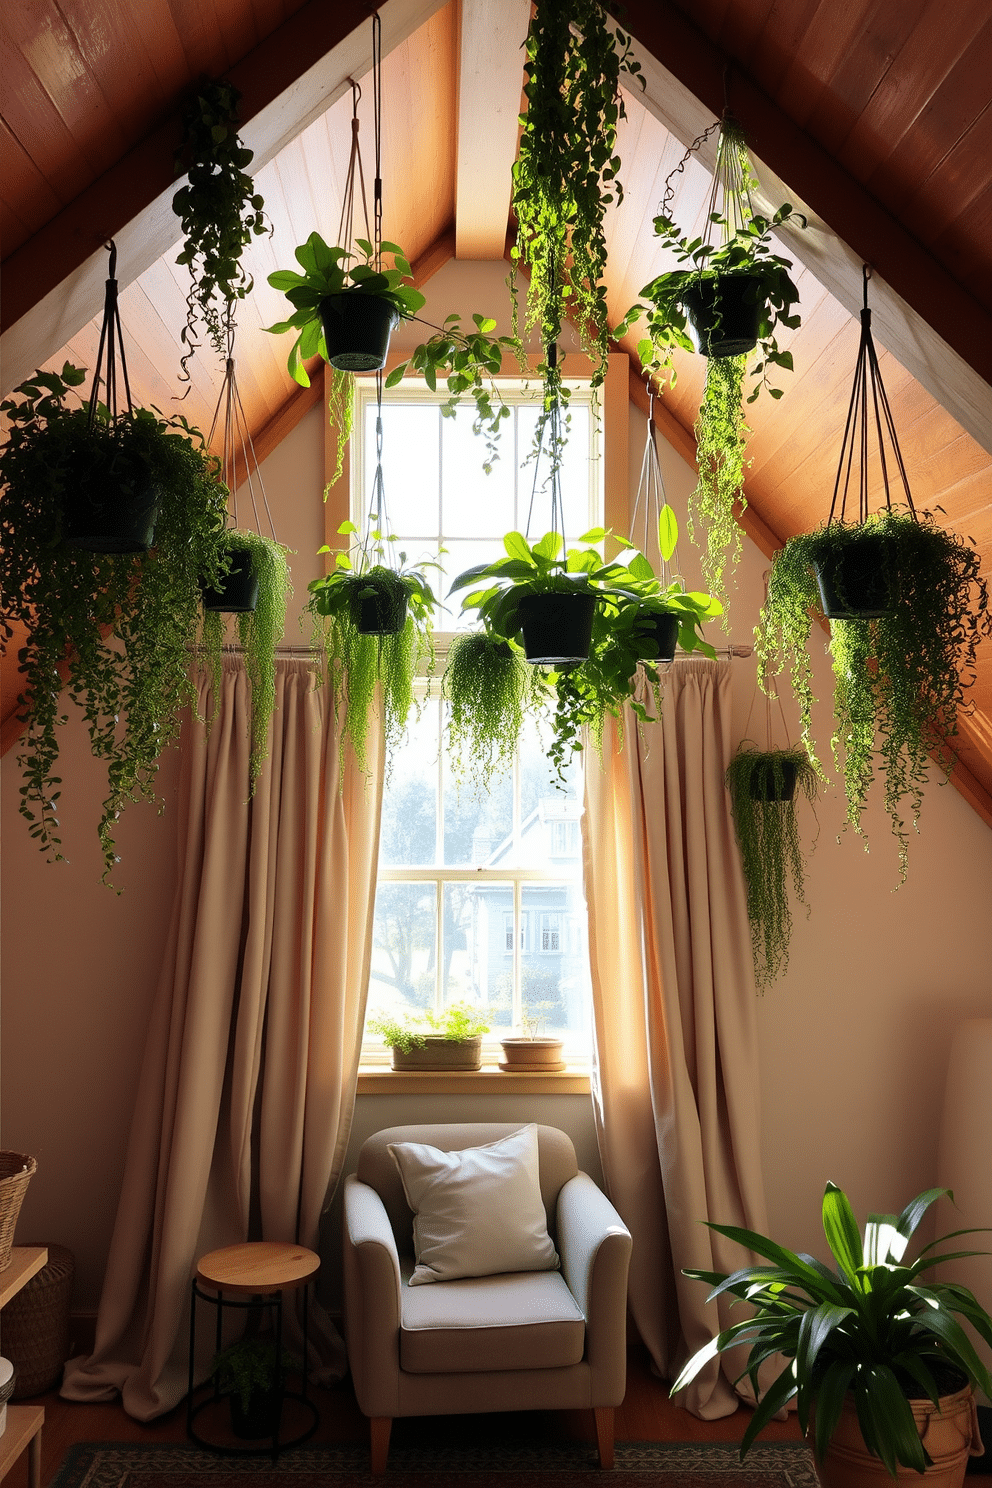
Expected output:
{"points": [[379, 1080]]}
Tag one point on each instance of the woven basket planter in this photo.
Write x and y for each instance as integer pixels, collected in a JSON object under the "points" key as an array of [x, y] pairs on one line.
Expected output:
{"points": [[35, 1325], [16, 1172]]}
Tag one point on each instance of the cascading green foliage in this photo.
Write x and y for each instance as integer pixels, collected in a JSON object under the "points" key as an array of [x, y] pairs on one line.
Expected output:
{"points": [[116, 626], [220, 211], [565, 173], [721, 444], [490, 690], [771, 852], [356, 663], [899, 681], [259, 632]]}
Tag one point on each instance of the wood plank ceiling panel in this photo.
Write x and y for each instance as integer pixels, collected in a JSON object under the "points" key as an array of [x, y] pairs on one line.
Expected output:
{"points": [[303, 188]]}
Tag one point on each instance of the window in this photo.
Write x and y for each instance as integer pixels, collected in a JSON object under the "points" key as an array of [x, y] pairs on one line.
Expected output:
{"points": [[479, 896]]}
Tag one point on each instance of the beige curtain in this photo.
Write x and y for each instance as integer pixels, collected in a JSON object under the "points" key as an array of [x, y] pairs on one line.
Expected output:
{"points": [[675, 1067], [256, 1029]]}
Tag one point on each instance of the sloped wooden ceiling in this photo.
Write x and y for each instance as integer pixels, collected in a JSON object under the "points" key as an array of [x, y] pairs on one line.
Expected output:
{"points": [[876, 114]]}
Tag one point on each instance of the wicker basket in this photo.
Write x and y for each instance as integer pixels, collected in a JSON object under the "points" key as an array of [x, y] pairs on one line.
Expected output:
{"points": [[35, 1325], [16, 1172]]}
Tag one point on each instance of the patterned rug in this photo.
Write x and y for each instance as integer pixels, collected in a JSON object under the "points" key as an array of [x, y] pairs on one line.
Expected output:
{"points": [[564, 1465]]}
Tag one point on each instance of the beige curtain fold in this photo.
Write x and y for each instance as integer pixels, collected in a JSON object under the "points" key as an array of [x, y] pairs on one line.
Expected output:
{"points": [[248, 1085], [675, 1065]]}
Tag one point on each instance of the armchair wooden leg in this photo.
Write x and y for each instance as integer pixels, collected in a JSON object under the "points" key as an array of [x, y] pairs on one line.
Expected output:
{"points": [[379, 1428], [604, 1434]]}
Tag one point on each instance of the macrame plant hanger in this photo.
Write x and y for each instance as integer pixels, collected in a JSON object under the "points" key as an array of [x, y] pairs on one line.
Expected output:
{"points": [[116, 504], [856, 581], [239, 593], [651, 509]]}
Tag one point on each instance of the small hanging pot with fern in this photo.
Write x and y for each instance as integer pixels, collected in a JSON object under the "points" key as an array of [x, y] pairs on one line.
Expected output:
{"points": [[765, 788]]}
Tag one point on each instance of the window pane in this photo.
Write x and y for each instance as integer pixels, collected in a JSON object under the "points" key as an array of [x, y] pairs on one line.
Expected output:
{"points": [[478, 969], [404, 949], [409, 803], [554, 964], [474, 504], [410, 464], [478, 821], [575, 473]]}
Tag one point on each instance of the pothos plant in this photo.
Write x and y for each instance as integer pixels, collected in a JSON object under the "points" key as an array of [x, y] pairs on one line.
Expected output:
{"points": [[392, 655], [220, 211], [470, 360], [113, 628], [259, 631], [899, 680], [566, 175], [735, 292]]}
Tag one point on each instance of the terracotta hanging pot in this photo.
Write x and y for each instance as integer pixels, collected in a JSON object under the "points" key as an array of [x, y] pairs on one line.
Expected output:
{"points": [[949, 1432], [357, 328], [556, 628], [725, 313]]}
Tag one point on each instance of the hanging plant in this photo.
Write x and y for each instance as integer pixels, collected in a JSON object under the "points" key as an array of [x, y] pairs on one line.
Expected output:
{"points": [[490, 690], [763, 787], [220, 211], [732, 297], [259, 626], [113, 628], [916, 608], [565, 175]]}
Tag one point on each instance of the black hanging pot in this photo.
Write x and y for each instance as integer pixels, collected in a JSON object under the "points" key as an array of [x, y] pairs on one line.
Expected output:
{"points": [[725, 313], [378, 609], [261, 1418], [111, 501], [854, 579], [237, 592], [657, 637], [556, 628], [357, 328], [772, 780]]}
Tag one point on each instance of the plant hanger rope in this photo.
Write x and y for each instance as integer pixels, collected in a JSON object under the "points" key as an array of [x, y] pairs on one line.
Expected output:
{"points": [[355, 176], [861, 418], [550, 424], [237, 439], [111, 341]]}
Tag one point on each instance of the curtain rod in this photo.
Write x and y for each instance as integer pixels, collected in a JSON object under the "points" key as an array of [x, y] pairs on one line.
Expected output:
{"points": [[730, 652]]}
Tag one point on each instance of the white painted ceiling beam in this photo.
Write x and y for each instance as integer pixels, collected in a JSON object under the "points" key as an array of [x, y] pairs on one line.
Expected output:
{"points": [[490, 78]]}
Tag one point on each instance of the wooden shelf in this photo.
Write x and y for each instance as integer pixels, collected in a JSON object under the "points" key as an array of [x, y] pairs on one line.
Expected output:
{"points": [[25, 1261], [24, 1423]]}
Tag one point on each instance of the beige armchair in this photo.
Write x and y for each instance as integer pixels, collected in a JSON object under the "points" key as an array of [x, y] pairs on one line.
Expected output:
{"points": [[526, 1340]]}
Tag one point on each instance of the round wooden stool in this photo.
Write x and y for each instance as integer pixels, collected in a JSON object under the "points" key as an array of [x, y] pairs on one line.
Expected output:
{"points": [[252, 1276]]}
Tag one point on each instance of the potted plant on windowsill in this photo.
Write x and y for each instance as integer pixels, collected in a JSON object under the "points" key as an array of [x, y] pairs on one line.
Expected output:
{"points": [[730, 297], [533, 1052], [878, 1362], [428, 1041], [373, 621], [114, 627]]}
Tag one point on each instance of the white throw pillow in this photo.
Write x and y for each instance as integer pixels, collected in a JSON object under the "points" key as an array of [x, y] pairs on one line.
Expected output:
{"points": [[477, 1212]]}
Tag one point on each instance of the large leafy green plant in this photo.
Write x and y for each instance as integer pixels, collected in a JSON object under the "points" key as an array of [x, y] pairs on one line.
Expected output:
{"points": [[899, 680], [875, 1327], [220, 211], [357, 663], [565, 175], [468, 359], [114, 628], [763, 786], [259, 631]]}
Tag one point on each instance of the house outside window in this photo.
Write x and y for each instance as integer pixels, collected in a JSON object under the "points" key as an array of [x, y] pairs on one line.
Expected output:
{"points": [[475, 886]]}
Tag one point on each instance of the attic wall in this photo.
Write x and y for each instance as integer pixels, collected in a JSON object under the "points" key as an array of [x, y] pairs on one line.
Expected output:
{"points": [[853, 1040]]}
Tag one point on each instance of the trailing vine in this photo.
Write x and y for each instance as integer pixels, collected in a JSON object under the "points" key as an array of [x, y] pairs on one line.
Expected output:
{"points": [[220, 211], [721, 445]]}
